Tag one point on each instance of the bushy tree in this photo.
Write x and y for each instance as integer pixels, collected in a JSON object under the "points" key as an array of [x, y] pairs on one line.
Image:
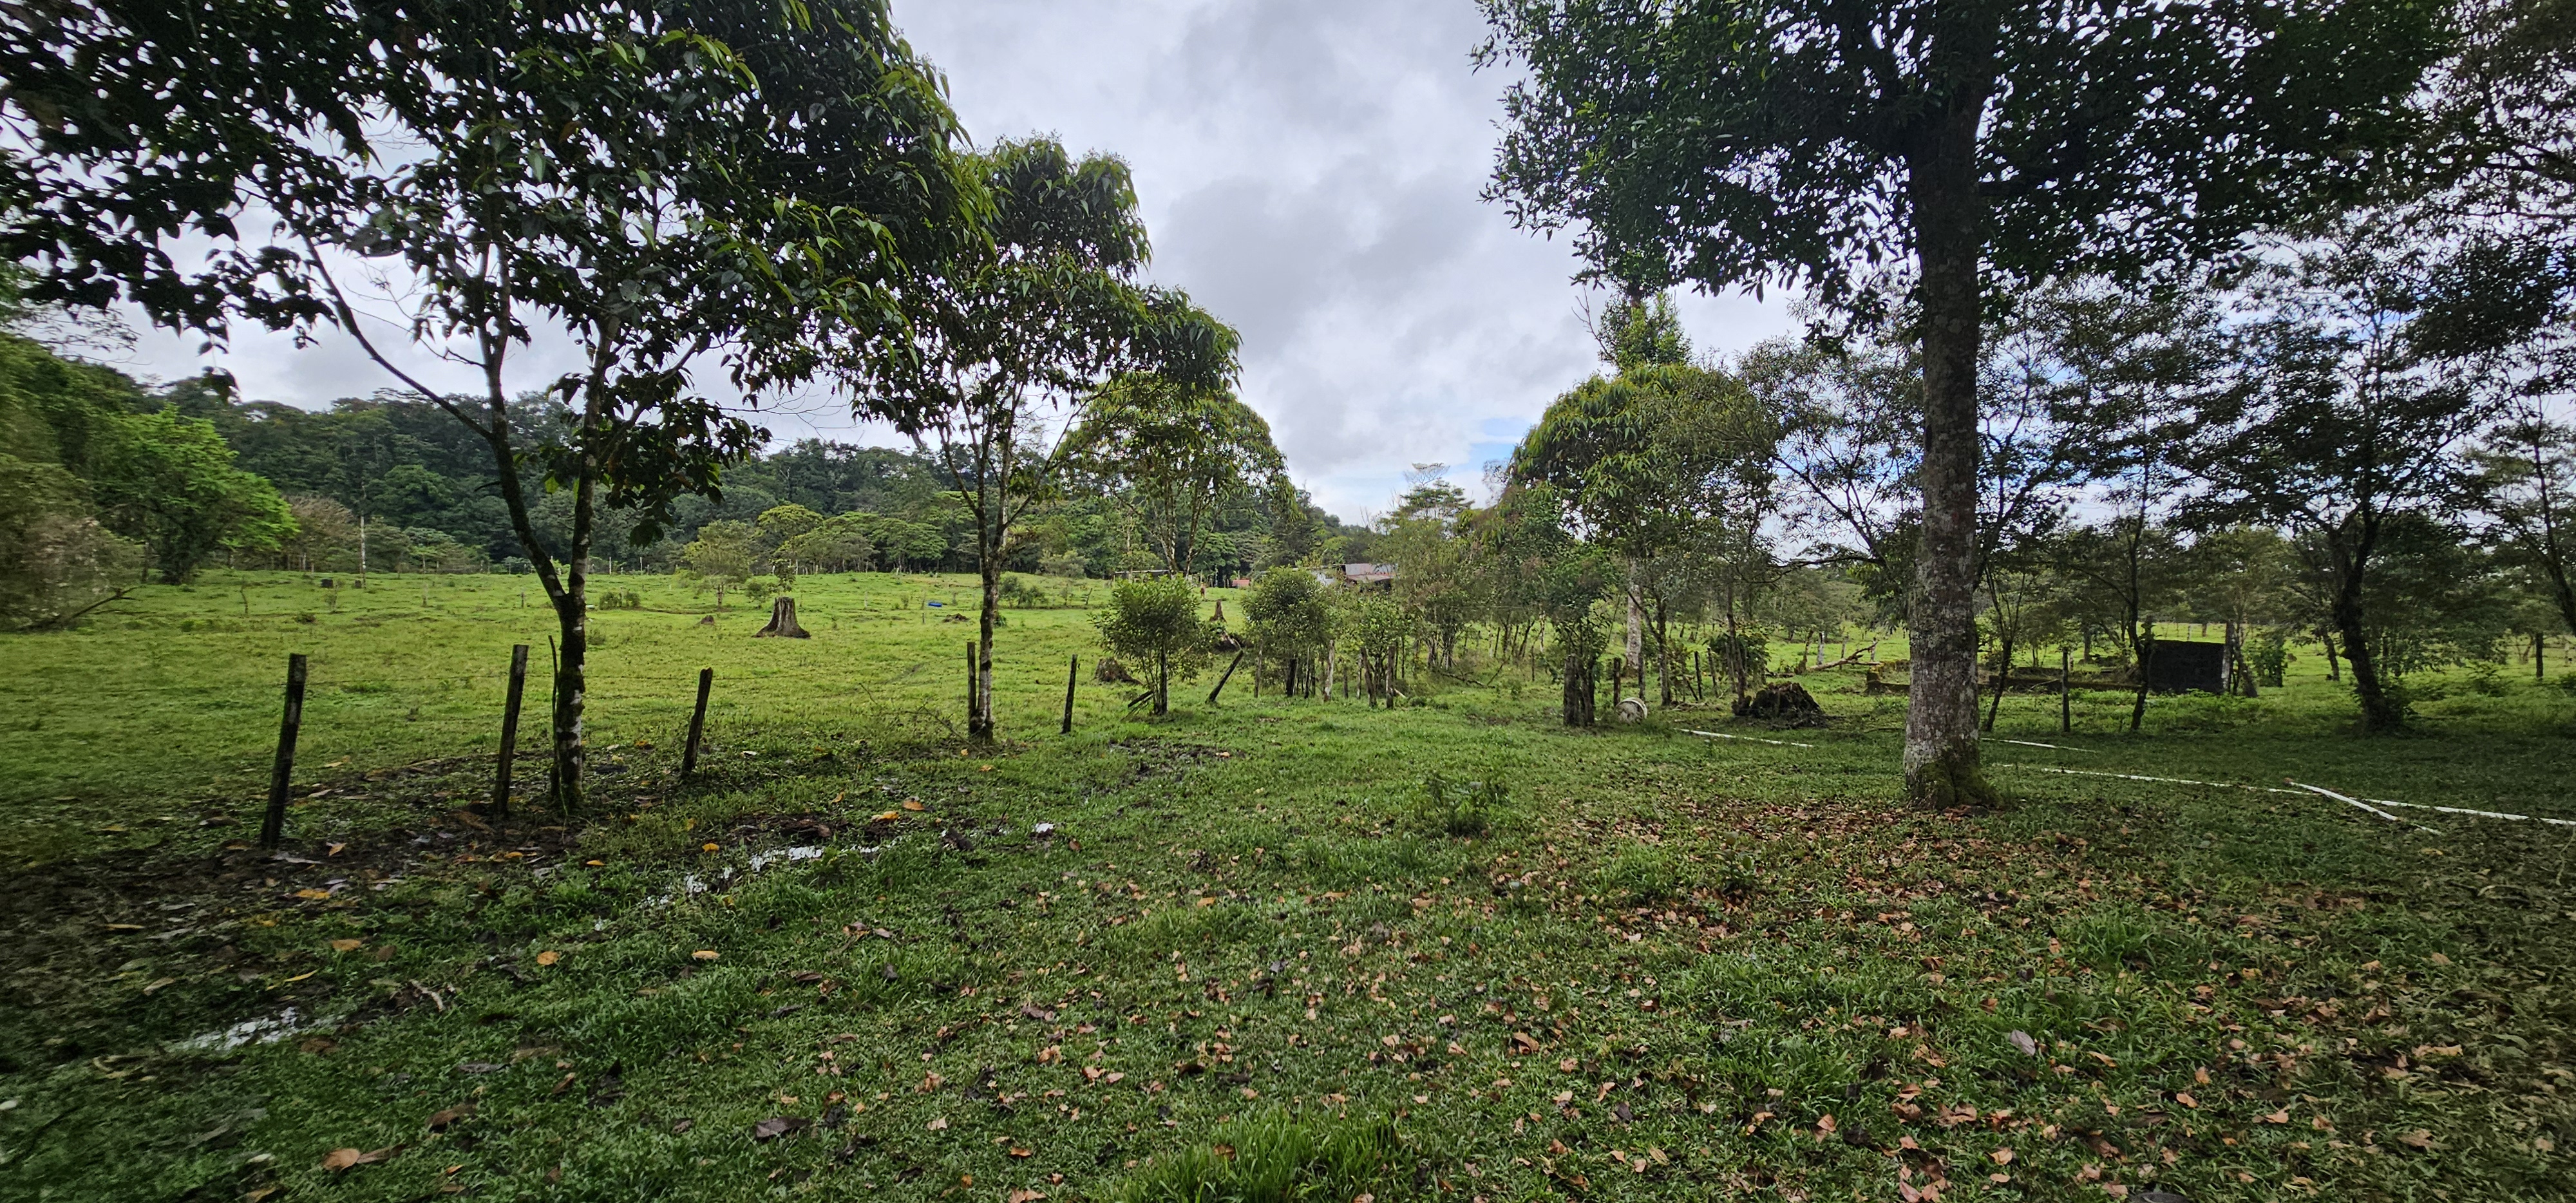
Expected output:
{"points": [[56, 562], [1154, 621], [170, 482], [1291, 622], [725, 555], [661, 184]]}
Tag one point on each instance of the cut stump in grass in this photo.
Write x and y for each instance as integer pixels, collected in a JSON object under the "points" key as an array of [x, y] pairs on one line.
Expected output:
{"points": [[1784, 701], [782, 622]]}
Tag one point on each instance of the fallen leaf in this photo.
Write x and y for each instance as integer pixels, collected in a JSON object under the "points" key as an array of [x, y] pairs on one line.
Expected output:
{"points": [[940, 1124], [440, 1121], [705, 954], [313, 894], [1018, 1152], [338, 1160], [2021, 1040], [2419, 1139], [772, 1129], [889, 816], [1024, 1196], [347, 945], [2001, 1156], [913, 804], [709, 846], [549, 957]]}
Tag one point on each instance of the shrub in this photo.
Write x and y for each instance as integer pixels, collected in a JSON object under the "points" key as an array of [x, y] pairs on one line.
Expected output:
{"points": [[1270, 1158], [1642, 873], [1462, 808], [1154, 622]]}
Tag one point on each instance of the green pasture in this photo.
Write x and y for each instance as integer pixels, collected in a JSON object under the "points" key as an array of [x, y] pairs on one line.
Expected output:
{"points": [[1246, 956]]}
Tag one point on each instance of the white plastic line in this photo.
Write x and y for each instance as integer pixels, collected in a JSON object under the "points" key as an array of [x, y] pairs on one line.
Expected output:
{"points": [[1751, 738], [2037, 768], [2356, 802], [2028, 744], [2483, 814], [2267, 789]]}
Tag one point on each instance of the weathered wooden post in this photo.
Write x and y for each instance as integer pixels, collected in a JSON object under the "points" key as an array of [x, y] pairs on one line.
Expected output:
{"points": [[279, 778], [1072, 673], [970, 684], [697, 722], [2065, 699], [510, 729], [1227, 676]]}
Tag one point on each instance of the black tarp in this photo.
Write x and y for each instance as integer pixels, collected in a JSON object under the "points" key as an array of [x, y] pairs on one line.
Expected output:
{"points": [[2177, 666]]}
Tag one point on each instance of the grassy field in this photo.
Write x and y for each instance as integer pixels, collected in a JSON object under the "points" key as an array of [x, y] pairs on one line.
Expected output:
{"points": [[1237, 951]]}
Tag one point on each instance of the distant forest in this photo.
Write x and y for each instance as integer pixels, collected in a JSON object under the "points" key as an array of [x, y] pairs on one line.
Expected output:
{"points": [[423, 486]]}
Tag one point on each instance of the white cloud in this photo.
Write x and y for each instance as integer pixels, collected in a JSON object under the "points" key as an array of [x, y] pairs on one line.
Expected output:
{"points": [[1310, 170]]}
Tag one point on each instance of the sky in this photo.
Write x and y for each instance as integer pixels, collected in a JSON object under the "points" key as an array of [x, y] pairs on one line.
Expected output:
{"points": [[1310, 172]]}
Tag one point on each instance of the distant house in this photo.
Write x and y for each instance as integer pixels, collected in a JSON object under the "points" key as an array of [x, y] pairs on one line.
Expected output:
{"points": [[1377, 575]]}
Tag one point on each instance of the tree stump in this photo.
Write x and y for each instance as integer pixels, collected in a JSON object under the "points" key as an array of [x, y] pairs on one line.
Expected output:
{"points": [[1784, 702], [782, 622]]}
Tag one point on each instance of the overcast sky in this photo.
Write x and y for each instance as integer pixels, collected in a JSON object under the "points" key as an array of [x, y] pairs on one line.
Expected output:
{"points": [[1309, 171]]}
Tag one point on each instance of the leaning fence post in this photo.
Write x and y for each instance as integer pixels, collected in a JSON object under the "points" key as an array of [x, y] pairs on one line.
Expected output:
{"points": [[274, 825], [697, 722], [1071, 672], [1229, 675], [510, 729]]}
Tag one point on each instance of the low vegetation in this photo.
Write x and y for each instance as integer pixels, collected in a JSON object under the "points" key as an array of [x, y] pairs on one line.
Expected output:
{"points": [[1240, 952]]}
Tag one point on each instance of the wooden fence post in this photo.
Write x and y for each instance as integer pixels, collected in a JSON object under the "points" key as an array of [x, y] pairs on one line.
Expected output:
{"points": [[274, 824], [2065, 699], [510, 729], [1072, 672], [697, 722], [970, 684], [1228, 676]]}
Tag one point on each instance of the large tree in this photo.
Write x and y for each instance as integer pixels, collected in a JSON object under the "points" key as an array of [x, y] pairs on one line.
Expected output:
{"points": [[2357, 400], [1172, 457], [663, 184], [1937, 147], [1025, 324]]}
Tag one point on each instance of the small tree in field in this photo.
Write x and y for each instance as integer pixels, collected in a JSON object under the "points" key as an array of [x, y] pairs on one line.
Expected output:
{"points": [[723, 556], [1291, 622], [1156, 622]]}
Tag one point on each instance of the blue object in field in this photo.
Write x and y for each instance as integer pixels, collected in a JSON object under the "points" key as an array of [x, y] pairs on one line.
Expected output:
{"points": [[938, 603]]}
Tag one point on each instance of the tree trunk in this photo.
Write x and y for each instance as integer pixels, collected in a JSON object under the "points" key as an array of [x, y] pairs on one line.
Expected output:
{"points": [[2334, 666], [2142, 648], [2003, 672], [1636, 630], [1941, 762], [1162, 684], [1578, 691], [2380, 714], [782, 622], [988, 564]]}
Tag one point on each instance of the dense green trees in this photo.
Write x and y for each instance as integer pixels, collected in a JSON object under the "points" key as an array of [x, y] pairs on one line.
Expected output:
{"points": [[1925, 151]]}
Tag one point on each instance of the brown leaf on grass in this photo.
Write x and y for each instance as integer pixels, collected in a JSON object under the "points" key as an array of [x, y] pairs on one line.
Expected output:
{"points": [[705, 954], [1024, 1196], [2418, 1139], [338, 1160], [549, 957], [441, 1121], [1036, 1012], [2021, 1040], [2001, 1156], [773, 1128], [347, 945]]}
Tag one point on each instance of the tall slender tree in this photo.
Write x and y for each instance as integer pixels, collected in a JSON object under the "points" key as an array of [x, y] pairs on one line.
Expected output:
{"points": [[1933, 148], [1019, 328]]}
